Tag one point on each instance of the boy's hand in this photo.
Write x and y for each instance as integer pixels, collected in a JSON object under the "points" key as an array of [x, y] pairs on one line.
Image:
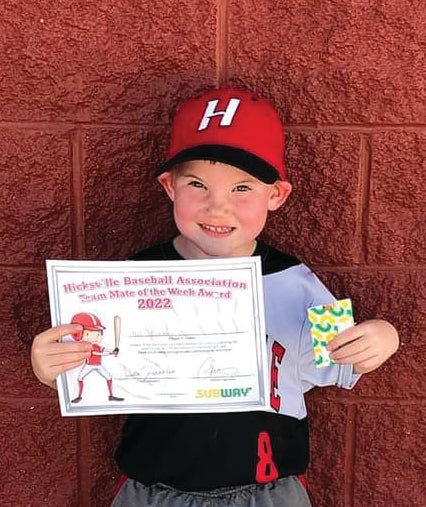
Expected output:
{"points": [[366, 345], [50, 357]]}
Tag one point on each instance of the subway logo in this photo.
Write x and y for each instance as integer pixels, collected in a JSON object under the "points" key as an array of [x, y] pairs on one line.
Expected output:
{"points": [[236, 392]]}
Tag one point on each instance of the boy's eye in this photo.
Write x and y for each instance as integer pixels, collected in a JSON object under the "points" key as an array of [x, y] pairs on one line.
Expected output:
{"points": [[242, 188], [196, 184]]}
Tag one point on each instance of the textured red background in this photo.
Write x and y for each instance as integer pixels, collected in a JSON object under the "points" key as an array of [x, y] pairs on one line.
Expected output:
{"points": [[87, 90]]}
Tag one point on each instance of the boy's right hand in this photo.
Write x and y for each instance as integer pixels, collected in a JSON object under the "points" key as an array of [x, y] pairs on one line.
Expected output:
{"points": [[50, 357]]}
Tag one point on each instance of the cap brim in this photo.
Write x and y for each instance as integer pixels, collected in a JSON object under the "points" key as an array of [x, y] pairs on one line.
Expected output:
{"points": [[236, 157]]}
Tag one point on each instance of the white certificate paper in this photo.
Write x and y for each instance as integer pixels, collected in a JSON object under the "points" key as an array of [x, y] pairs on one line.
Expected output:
{"points": [[177, 336]]}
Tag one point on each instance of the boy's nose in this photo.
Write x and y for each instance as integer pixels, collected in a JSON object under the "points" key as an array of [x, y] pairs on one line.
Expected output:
{"points": [[217, 203]]}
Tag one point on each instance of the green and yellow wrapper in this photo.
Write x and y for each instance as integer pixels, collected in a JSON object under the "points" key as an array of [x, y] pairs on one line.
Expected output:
{"points": [[326, 321]]}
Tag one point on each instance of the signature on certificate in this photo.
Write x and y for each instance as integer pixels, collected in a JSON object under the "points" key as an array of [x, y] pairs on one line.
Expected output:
{"points": [[209, 368], [152, 369]]}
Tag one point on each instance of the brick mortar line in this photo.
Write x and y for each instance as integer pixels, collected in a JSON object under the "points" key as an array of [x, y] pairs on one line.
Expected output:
{"points": [[222, 43], [33, 402], [28, 268], [356, 127], [365, 400], [66, 126], [359, 401], [76, 188], [308, 127], [350, 449], [84, 462], [361, 232], [366, 192], [78, 250], [369, 268]]}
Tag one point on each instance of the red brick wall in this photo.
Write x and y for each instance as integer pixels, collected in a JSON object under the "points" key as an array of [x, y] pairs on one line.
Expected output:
{"points": [[87, 89]]}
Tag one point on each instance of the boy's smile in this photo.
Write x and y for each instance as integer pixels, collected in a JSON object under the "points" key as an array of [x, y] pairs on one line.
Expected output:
{"points": [[217, 230], [219, 209]]}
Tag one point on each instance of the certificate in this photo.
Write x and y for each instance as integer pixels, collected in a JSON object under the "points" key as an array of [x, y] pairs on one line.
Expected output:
{"points": [[167, 336]]}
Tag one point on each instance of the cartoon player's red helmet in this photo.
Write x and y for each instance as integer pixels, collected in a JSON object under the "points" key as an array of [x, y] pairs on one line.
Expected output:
{"points": [[89, 321]]}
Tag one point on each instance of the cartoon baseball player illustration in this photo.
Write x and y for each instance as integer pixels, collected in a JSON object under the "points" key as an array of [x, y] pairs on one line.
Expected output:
{"points": [[93, 332]]}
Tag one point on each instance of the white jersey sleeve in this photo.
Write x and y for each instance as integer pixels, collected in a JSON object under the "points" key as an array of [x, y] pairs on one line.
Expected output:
{"points": [[288, 295]]}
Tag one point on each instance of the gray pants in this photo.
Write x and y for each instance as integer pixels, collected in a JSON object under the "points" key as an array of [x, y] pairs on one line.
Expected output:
{"points": [[285, 492]]}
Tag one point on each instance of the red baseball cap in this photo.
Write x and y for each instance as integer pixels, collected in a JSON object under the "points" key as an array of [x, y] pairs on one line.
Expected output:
{"points": [[89, 321], [232, 126]]}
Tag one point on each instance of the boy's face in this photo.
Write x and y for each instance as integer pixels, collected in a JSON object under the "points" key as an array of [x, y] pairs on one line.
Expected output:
{"points": [[219, 209], [92, 336]]}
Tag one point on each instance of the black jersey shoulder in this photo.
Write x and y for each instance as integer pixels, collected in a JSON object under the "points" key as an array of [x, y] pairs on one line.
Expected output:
{"points": [[273, 260]]}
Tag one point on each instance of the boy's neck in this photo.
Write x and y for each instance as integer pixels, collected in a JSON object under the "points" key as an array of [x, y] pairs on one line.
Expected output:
{"points": [[190, 252]]}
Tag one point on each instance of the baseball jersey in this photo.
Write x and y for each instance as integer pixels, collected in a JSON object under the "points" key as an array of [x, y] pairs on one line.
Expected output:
{"points": [[95, 359], [195, 452]]}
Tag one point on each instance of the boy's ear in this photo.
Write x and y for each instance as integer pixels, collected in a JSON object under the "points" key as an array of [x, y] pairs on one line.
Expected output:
{"points": [[279, 194], [166, 181]]}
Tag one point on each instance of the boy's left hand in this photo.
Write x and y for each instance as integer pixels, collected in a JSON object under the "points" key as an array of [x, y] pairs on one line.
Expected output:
{"points": [[366, 345]]}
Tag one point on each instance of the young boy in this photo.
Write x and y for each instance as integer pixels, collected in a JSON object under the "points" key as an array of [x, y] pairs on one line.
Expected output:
{"points": [[224, 172]]}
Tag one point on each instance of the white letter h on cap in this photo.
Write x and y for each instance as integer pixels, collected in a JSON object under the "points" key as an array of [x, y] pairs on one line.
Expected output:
{"points": [[227, 115]]}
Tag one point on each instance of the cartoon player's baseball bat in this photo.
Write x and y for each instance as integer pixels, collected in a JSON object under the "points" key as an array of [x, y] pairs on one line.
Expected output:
{"points": [[117, 330]]}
